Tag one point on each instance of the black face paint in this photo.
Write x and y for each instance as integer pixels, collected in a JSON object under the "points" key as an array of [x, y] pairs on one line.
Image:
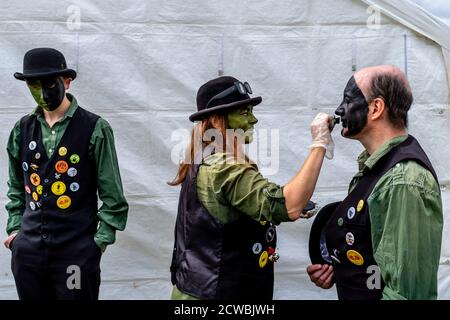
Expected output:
{"points": [[353, 110], [48, 92]]}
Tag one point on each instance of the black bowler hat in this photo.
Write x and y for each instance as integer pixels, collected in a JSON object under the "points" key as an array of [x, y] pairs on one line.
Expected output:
{"points": [[44, 62], [222, 94], [318, 252]]}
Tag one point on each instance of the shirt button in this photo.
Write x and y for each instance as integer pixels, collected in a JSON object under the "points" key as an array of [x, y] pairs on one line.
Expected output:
{"points": [[50, 150], [44, 236], [53, 132], [397, 165]]}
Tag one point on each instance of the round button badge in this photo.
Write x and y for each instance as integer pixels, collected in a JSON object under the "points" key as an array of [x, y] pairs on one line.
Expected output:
{"points": [[74, 158], [35, 179], [37, 156], [263, 259], [63, 202], [349, 238], [360, 205], [32, 205], [39, 189], [25, 166], [351, 213], [61, 166], [32, 145], [27, 189], [62, 151], [74, 187], [58, 188], [270, 234], [35, 196], [355, 257], [257, 247], [72, 172]]}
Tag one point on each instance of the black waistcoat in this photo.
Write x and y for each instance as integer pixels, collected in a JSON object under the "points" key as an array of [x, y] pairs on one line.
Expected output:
{"points": [[212, 260], [60, 217], [348, 232]]}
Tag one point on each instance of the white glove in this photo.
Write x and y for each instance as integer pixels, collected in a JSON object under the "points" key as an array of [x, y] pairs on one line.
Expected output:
{"points": [[321, 134]]}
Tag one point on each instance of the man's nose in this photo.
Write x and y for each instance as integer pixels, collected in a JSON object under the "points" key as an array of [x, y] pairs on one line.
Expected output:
{"points": [[253, 120], [340, 111]]}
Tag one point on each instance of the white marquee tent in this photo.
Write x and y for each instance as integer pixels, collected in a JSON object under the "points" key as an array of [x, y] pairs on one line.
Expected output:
{"points": [[141, 62]]}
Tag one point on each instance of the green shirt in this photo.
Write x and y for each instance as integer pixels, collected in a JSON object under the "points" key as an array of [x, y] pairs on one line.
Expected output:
{"points": [[405, 211], [114, 210], [228, 189]]}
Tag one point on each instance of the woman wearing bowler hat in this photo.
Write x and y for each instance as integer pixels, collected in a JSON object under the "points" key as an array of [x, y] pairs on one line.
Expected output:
{"points": [[225, 237]]}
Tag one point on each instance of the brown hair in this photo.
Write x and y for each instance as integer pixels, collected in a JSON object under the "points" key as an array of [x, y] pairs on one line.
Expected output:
{"points": [[197, 145], [394, 89]]}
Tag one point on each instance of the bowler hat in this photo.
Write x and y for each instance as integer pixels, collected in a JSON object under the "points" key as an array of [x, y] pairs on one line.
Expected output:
{"points": [[318, 252], [44, 62], [222, 94]]}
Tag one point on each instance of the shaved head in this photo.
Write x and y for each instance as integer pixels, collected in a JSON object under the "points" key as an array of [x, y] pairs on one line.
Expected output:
{"points": [[389, 83]]}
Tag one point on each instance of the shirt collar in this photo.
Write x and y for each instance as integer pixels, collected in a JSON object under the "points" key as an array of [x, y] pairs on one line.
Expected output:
{"points": [[365, 160], [69, 113]]}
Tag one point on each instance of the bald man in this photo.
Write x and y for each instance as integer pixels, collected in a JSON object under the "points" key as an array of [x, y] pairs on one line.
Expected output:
{"points": [[384, 239]]}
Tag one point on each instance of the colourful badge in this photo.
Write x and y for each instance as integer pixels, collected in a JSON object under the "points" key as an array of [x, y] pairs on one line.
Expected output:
{"points": [[32, 145], [263, 259], [35, 196], [62, 151], [35, 167], [349, 238], [355, 257], [340, 222], [74, 187], [32, 205], [25, 166], [27, 189], [61, 166], [39, 189], [35, 179], [37, 156], [257, 247], [360, 205], [63, 202], [263, 222], [351, 212], [72, 172], [270, 234], [58, 188], [74, 158]]}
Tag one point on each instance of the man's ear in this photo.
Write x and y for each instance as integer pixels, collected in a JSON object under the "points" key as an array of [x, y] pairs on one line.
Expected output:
{"points": [[67, 82], [376, 109]]}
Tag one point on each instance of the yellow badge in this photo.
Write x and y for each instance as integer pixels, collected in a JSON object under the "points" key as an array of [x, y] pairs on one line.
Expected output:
{"points": [[58, 188], [263, 259], [35, 179], [61, 166], [39, 189], [62, 151], [263, 222], [355, 257], [63, 202], [35, 196], [360, 205], [74, 158]]}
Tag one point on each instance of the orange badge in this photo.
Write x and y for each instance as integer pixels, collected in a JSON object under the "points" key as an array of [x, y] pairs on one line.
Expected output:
{"points": [[63, 202], [355, 257], [35, 179], [61, 166]]}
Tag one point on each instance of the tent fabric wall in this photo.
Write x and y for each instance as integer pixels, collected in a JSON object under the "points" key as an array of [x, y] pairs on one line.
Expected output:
{"points": [[140, 64]]}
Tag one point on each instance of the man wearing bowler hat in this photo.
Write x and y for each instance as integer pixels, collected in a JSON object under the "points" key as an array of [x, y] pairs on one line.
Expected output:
{"points": [[60, 157], [383, 241]]}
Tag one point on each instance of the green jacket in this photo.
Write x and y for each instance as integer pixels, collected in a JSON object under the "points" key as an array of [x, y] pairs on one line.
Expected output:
{"points": [[405, 209]]}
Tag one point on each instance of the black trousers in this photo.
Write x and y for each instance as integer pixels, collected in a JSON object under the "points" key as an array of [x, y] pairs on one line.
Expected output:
{"points": [[39, 278]]}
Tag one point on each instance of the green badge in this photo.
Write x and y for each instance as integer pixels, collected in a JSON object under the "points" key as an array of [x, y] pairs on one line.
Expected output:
{"points": [[340, 222], [74, 158]]}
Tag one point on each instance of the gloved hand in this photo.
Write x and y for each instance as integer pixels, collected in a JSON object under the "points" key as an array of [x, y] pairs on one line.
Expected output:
{"points": [[321, 134]]}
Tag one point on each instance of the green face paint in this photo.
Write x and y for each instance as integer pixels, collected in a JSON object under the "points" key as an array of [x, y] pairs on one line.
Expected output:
{"points": [[47, 92], [243, 118]]}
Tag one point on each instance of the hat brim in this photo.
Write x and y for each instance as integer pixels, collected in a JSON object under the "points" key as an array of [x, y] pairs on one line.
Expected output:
{"points": [[70, 73], [319, 224], [202, 114]]}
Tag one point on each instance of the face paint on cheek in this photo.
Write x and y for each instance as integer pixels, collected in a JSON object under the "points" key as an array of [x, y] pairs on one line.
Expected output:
{"points": [[243, 118], [48, 92], [353, 110]]}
